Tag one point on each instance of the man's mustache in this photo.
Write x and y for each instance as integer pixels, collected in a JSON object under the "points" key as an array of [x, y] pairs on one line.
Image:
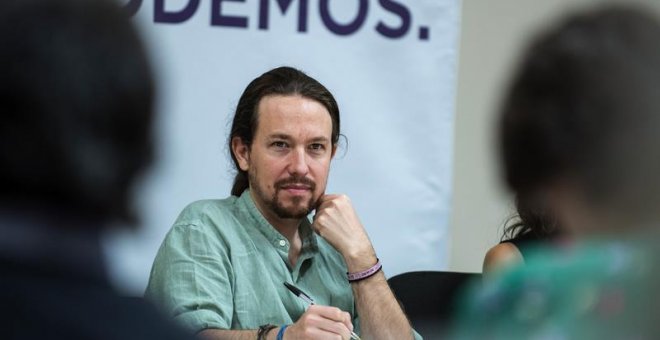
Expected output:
{"points": [[302, 181]]}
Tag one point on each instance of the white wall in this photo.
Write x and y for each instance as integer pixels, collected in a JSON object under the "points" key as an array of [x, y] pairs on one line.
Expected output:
{"points": [[493, 33]]}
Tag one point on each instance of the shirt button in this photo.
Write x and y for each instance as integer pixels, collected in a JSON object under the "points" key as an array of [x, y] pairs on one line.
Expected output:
{"points": [[282, 243]]}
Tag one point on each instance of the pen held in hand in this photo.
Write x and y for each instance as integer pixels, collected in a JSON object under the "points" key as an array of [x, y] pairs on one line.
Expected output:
{"points": [[302, 295], [299, 293]]}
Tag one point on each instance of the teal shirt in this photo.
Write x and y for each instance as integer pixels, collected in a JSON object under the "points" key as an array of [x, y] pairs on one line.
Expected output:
{"points": [[222, 265], [606, 289]]}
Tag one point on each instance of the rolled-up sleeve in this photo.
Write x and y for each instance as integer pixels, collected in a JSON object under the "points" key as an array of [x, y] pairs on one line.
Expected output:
{"points": [[191, 278]]}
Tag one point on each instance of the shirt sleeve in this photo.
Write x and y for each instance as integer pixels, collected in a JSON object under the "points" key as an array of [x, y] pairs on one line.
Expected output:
{"points": [[192, 280]]}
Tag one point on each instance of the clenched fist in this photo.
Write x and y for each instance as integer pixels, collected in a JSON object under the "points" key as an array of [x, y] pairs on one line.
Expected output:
{"points": [[337, 222]]}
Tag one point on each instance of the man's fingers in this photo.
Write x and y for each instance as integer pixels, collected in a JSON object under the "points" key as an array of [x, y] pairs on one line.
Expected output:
{"points": [[321, 204], [337, 328], [336, 200], [322, 334], [328, 198], [322, 322], [346, 321], [336, 315]]}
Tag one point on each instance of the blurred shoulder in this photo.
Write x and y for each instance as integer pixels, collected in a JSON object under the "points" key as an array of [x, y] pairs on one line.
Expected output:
{"points": [[505, 254]]}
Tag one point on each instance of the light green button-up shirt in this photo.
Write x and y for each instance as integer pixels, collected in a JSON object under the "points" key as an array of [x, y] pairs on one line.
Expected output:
{"points": [[222, 265]]}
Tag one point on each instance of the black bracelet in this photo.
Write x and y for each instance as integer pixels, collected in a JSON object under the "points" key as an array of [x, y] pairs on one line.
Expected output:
{"points": [[263, 331]]}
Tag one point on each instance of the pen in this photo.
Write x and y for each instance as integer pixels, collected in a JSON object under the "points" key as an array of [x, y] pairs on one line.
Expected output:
{"points": [[302, 295]]}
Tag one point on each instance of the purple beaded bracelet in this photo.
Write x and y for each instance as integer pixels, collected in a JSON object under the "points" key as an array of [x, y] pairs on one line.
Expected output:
{"points": [[352, 277]]}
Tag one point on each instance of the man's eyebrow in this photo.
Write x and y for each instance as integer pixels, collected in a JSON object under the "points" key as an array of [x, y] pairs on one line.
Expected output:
{"points": [[283, 136], [319, 140], [279, 136]]}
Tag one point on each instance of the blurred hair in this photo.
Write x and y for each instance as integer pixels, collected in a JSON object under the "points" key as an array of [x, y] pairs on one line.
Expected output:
{"points": [[285, 81], [585, 106], [531, 220], [76, 97]]}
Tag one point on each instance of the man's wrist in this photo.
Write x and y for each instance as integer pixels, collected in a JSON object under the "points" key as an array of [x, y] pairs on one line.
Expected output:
{"points": [[274, 333], [280, 332], [264, 330], [364, 274], [360, 261]]}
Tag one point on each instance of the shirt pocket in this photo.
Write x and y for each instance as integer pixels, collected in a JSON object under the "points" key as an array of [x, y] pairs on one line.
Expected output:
{"points": [[256, 299]]}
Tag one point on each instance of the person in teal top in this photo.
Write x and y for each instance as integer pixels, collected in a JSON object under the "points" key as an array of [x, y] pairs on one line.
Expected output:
{"points": [[222, 267], [579, 131], [599, 289]]}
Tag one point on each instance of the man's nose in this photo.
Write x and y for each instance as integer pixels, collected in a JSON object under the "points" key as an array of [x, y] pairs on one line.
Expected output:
{"points": [[298, 162]]}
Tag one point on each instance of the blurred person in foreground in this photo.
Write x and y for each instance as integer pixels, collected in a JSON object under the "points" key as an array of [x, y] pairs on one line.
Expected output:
{"points": [[76, 98], [580, 130], [530, 228]]}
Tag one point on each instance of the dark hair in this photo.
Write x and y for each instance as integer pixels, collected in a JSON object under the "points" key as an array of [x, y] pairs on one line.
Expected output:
{"points": [[278, 81], [76, 97], [585, 106], [531, 221]]}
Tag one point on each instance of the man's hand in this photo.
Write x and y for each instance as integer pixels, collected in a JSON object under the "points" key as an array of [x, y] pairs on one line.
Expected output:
{"points": [[337, 222], [318, 322], [321, 322], [381, 316]]}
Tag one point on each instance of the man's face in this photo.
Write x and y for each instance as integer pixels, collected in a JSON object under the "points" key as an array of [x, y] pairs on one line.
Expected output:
{"points": [[289, 159]]}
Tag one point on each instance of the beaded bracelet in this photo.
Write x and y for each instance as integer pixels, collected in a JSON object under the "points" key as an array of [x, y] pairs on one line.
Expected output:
{"points": [[353, 277]]}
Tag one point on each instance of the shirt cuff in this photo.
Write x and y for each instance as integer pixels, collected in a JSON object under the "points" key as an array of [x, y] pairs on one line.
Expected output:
{"points": [[199, 320]]}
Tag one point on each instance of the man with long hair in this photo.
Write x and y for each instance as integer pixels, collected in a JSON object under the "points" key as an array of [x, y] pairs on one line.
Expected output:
{"points": [[222, 267]]}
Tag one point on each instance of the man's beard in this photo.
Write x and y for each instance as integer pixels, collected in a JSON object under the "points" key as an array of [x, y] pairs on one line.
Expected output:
{"points": [[296, 211]]}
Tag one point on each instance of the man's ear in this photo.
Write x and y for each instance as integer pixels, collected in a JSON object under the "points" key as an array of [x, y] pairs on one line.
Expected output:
{"points": [[242, 152]]}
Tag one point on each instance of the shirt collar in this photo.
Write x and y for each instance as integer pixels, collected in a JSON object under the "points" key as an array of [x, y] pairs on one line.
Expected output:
{"points": [[308, 237]]}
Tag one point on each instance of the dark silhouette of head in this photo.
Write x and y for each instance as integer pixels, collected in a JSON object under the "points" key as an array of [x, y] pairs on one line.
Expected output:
{"points": [[583, 112], [76, 98], [279, 81]]}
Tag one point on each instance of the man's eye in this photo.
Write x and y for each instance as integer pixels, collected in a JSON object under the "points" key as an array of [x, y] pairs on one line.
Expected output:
{"points": [[279, 145], [317, 147]]}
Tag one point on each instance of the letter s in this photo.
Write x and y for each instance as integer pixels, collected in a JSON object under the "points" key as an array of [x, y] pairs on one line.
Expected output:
{"points": [[402, 12]]}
